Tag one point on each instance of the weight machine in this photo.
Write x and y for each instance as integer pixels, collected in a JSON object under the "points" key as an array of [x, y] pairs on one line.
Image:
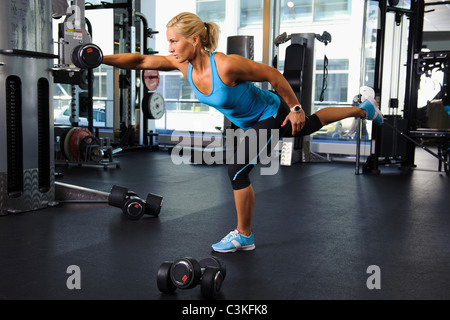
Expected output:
{"points": [[77, 57], [150, 104], [298, 71], [26, 108], [427, 62], [389, 142], [27, 72], [27, 164], [131, 100]]}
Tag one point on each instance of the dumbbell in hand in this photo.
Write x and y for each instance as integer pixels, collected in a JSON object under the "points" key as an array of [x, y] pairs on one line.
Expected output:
{"points": [[132, 206], [87, 56], [186, 273]]}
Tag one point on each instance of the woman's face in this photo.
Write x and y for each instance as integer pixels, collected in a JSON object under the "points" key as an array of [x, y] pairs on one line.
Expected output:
{"points": [[181, 48]]}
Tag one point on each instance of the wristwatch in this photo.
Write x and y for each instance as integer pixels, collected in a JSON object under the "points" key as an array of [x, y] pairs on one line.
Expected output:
{"points": [[296, 108]]}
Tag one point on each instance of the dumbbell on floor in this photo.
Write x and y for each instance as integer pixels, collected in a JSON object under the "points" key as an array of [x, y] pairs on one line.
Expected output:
{"points": [[132, 206], [186, 273]]}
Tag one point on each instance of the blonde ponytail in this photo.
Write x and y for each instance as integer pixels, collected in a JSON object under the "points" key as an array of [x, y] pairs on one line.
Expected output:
{"points": [[212, 36], [188, 24]]}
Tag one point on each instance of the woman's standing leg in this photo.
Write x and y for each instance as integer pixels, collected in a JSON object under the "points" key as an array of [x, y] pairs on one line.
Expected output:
{"points": [[244, 197], [245, 201]]}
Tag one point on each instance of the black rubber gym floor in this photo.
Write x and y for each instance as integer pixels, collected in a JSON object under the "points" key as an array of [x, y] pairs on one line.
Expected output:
{"points": [[318, 227]]}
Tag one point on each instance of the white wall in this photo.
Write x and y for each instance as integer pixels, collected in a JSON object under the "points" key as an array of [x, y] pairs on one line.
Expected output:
{"points": [[102, 21]]}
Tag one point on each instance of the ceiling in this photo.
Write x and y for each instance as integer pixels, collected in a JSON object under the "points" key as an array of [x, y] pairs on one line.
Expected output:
{"points": [[439, 19]]}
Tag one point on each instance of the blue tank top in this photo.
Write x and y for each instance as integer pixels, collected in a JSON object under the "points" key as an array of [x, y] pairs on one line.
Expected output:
{"points": [[244, 104]]}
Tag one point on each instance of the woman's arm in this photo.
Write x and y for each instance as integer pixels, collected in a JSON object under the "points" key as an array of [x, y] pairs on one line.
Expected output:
{"points": [[141, 62], [236, 69]]}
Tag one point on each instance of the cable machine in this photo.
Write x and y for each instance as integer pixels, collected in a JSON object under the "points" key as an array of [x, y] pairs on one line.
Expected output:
{"points": [[27, 165], [26, 108], [298, 71], [27, 72], [386, 146], [390, 142], [147, 104]]}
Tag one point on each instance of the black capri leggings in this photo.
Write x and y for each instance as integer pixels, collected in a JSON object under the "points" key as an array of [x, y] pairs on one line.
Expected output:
{"points": [[245, 160]]}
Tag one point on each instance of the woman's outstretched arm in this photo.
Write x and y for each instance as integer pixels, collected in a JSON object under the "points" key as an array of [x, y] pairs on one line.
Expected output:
{"points": [[141, 62]]}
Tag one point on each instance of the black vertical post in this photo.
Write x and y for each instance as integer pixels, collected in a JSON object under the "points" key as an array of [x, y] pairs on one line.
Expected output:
{"points": [[144, 121], [412, 76], [380, 46], [43, 113], [14, 136], [90, 100], [378, 81], [90, 93]]}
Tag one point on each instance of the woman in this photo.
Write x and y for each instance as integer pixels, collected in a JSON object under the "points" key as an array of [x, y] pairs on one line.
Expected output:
{"points": [[225, 82]]}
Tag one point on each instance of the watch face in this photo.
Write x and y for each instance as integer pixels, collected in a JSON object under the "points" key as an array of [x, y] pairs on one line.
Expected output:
{"points": [[157, 105], [297, 109]]}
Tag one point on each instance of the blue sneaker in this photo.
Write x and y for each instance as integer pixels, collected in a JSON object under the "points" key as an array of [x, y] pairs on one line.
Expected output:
{"points": [[372, 112], [235, 241]]}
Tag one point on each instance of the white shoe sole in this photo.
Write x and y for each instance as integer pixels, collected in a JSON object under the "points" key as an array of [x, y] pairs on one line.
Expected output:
{"points": [[245, 248], [377, 110]]}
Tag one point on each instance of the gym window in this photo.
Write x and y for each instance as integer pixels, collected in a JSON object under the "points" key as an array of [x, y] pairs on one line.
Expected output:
{"points": [[211, 10], [251, 12], [291, 11], [331, 9], [336, 81], [314, 10]]}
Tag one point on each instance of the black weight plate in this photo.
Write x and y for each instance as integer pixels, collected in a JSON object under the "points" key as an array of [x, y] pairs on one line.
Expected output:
{"points": [[154, 204], [145, 105], [153, 105], [76, 57], [96, 154], [87, 56], [215, 263], [92, 56], [117, 196], [185, 273], [89, 146], [211, 282], [134, 209], [164, 282]]}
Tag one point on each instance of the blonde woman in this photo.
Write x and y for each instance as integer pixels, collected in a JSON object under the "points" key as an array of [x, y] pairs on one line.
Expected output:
{"points": [[225, 82]]}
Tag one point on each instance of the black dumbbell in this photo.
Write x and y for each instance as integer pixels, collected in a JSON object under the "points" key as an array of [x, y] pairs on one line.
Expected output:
{"points": [[132, 206], [186, 273], [212, 279], [153, 204], [87, 56]]}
